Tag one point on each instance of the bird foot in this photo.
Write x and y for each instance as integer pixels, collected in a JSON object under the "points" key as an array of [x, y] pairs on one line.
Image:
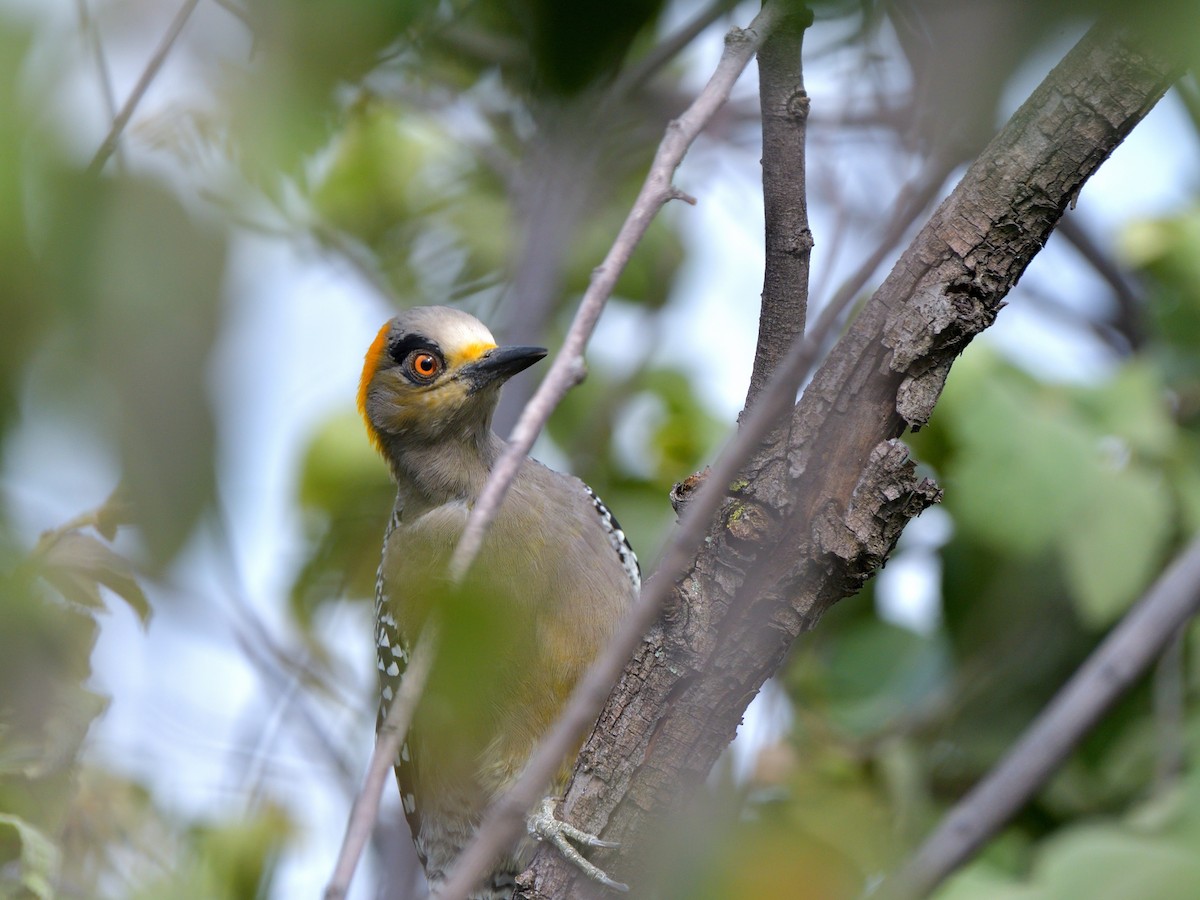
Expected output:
{"points": [[545, 826]]}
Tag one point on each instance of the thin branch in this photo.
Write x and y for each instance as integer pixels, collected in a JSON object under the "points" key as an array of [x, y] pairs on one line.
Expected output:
{"points": [[1111, 669], [912, 200], [1128, 319], [109, 144], [391, 735], [646, 67], [568, 367], [91, 31]]}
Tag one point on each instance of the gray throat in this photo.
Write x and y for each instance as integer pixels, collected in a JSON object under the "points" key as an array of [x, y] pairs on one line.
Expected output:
{"points": [[431, 475]]}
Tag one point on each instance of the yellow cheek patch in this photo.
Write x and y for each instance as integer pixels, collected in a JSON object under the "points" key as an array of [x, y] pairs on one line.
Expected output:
{"points": [[468, 354], [371, 365], [410, 410]]}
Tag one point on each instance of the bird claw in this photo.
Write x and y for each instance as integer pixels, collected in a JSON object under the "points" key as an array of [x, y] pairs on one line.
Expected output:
{"points": [[545, 826]]}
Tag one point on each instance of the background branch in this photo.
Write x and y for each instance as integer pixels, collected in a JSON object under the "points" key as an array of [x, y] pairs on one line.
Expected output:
{"points": [[91, 33], [646, 67], [1124, 655], [148, 75]]}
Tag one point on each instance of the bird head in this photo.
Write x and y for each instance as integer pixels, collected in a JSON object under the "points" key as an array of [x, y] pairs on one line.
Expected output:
{"points": [[434, 374]]}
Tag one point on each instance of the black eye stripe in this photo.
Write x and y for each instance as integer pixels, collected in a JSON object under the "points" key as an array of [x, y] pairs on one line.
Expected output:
{"points": [[407, 343]]}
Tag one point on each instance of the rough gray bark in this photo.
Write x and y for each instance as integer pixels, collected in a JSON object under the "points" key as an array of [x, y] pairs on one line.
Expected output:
{"points": [[820, 508]]}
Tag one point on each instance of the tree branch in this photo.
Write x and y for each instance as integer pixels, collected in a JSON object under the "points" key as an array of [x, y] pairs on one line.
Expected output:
{"points": [[784, 107], [646, 67], [817, 512], [1125, 654], [391, 735], [91, 33], [143, 84], [1128, 318]]}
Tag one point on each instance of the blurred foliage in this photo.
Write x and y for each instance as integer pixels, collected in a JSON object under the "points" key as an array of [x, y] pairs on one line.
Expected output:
{"points": [[1085, 479], [484, 152], [345, 493]]}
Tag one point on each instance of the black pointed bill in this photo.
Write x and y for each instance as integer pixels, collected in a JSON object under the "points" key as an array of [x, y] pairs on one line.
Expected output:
{"points": [[498, 365]]}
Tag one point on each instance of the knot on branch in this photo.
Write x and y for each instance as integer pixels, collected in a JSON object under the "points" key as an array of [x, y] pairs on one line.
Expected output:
{"points": [[798, 104], [738, 37], [683, 491], [888, 495], [927, 333], [748, 522], [796, 242]]}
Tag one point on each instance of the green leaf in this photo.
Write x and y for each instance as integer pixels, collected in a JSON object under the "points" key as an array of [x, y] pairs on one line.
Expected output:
{"points": [[1184, 475], [1114, 547], [1025, 463], [340, 465], [1166, 248], [39, 857], [1075, 472], [879, 673], [383, 172], [981, 881], [1132, 406], [346, 492], [1109, 863]]}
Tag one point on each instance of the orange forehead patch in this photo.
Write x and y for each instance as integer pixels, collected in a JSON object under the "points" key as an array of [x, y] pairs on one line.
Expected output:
{"points": [[468, 354], [371, 365]]}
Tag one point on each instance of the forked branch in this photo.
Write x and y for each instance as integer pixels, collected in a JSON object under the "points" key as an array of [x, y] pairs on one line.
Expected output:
{"points": [[816, 512]]}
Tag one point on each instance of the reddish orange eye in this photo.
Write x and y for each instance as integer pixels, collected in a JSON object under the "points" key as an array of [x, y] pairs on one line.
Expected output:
{"points": [[425, 365]]}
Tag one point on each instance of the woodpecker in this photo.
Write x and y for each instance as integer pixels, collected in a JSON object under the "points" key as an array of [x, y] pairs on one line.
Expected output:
{"points": [[545, 594]]}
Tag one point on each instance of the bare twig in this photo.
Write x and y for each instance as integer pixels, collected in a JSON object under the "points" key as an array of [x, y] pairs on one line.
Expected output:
{"points": [[387, 745], [91, 31], [568, 366], [646, 67], [1128, 319], [1111, 669], [912, 200], [143, 84]]}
